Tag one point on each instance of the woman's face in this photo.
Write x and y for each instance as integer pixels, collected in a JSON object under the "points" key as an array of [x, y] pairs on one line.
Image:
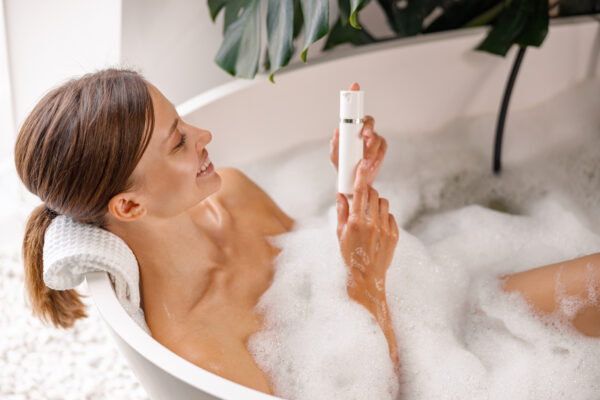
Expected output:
{"points": [[175, 172]]}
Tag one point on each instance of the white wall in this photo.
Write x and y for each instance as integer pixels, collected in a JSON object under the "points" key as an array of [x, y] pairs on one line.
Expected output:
{"points": [[173, 43], [7, 126], [50, 41]]}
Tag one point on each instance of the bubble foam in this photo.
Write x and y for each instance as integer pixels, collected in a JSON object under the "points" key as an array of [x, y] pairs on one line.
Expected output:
{"points": [[461, 228]]}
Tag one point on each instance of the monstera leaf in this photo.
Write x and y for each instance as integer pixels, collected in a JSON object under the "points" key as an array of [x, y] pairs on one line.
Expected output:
{"points": [[522, 22], [316, 22], [280, 34], [240, 51], [355, 5], [344, 30]]}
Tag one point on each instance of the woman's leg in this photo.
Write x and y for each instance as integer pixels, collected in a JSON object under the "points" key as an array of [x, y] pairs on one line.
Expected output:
{"points": [[549, 288]]}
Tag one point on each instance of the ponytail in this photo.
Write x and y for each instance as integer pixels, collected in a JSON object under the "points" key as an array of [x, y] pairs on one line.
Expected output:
{"points": [[60, 307], [76, 149]]}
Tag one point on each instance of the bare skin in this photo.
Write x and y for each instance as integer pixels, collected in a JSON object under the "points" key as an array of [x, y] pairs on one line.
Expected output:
{"points": [[368, 235], [212, 330], [204, 255], [544, 288]]}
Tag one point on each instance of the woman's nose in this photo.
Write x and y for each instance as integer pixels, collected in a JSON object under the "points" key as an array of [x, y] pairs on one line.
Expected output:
{"points": [[204, 138]]}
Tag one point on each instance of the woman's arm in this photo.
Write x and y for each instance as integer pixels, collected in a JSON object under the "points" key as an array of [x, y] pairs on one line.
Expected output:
{"points": [[368, 235], [370, 292], [546, 287]]}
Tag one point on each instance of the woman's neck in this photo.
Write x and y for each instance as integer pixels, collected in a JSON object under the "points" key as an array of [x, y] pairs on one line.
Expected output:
{"points": [[176, 257]]}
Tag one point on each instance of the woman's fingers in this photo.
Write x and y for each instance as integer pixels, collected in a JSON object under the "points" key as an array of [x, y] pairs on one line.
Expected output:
{"points": [[361, 192], [342, 212], [371, 148], [368, 127], [375, 146], [381, 150], [384, 207], [373, 205], [393, 226]]}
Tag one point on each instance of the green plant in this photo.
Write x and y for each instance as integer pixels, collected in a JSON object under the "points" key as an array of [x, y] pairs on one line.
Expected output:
{"points": [[522, 22]]}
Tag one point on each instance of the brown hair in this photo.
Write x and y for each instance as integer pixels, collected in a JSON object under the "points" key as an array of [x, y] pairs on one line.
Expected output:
{"points": [[75, 151]]}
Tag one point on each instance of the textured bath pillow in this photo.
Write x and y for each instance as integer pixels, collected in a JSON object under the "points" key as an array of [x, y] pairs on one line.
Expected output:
{"points": [[72, 249]]}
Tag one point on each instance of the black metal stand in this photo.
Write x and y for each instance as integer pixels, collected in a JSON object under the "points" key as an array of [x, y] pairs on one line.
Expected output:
{"points": [[504, 108]]}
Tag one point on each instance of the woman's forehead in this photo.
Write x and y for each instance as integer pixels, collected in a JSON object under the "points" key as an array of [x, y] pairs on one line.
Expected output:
{"points": [[164, 113], [162, 106]]}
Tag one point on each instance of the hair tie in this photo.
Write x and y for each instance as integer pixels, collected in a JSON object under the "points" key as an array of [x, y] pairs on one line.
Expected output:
{"points": [[54, 213]]}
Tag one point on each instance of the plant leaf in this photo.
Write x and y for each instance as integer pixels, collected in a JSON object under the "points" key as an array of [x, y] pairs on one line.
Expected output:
{"points": [[232, 12], [349, 14], [240, 51], [576, 7], [341, 33], [408, 21], [507, 28], [298, 18], [467, 13], [392, 12], [280, 30], [416, 11], [344, 11], [215, 6], [316, 22], [354, 7], [536, 28]]}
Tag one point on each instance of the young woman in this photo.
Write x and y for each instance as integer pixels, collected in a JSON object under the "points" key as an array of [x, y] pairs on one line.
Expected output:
{"points": [[109, 149]]}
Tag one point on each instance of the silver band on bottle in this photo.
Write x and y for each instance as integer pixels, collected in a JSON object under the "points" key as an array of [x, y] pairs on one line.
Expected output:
{"points": [[352, 121]]}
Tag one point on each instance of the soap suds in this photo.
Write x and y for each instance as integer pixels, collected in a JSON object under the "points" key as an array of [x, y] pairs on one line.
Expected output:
{"points": [[461, 228]]}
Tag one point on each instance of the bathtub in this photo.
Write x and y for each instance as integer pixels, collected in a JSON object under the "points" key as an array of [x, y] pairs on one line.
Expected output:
{"points": [[416, 84]]}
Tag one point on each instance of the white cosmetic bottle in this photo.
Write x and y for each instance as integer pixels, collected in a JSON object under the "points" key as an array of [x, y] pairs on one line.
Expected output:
{"points": [[350, 142]]}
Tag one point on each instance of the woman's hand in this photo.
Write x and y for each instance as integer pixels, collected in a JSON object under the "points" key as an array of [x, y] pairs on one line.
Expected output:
{"points": [[368, 232], [374, 146], [368, 236]]}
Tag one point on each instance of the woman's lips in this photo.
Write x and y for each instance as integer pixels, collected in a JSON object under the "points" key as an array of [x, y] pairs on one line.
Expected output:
{"points": [[206, 164], [207, 171]]}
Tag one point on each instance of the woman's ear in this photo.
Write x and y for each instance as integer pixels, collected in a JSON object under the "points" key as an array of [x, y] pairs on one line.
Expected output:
{"points": [[124, 207]]}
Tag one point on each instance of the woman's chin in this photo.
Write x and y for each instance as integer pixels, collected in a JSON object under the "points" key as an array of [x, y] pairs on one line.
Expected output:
{"points": [[209, 183]]}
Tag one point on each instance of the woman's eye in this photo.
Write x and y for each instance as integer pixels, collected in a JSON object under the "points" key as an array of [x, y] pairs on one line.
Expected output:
{"points": [[181, 142]]}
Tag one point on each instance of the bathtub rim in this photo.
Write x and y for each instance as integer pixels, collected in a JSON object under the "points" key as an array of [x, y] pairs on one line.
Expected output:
{"points": [[211, 95], [115, 316]]}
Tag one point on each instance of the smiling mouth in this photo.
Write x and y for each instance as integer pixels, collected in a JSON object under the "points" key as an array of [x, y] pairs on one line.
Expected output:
{"points": [[206, 167]]}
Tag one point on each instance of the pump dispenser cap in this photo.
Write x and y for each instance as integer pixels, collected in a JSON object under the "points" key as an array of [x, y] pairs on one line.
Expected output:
{"points": [[352, 104]]}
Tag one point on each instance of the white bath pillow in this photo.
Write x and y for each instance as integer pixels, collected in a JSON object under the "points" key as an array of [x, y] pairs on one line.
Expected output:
{"points": [[72, 249]]}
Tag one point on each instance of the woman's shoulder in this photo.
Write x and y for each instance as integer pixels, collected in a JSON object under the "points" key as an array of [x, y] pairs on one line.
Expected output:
{"points": [[235, 182], [233, 175], [239, 191]]}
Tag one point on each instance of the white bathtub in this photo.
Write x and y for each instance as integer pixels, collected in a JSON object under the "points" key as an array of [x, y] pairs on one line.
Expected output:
{"points": [[416, 84]]}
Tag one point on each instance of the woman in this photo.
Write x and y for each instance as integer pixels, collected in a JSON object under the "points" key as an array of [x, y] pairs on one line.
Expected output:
{"points": [[110, 150]]}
